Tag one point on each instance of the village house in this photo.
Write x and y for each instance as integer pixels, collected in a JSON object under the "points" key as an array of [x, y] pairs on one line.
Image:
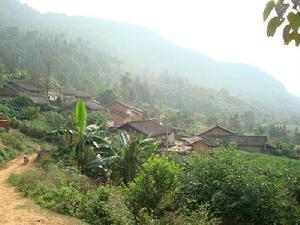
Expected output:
{"points": [[68, 95], [91, 106], [41, 101], [121, 113], [217, 135], [29, 89], [83, 95], [216, 130], [15, 88], [149, 129]]}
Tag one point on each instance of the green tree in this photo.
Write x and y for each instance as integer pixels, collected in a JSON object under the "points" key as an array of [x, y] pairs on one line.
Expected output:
{"points": [[97, 118], [134, 152], [107, 95], [55, 119], [155, 188], [287, 15]]}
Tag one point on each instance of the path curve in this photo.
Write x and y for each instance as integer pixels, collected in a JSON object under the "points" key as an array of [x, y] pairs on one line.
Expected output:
{"points": [[16, 210]]}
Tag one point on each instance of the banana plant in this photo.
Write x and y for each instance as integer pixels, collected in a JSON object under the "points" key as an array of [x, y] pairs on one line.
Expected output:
{"points": [[91, 148], [133, 153]]}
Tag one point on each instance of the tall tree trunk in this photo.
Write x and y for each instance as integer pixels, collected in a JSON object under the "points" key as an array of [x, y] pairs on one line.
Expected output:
{"points": [[48, 79]]}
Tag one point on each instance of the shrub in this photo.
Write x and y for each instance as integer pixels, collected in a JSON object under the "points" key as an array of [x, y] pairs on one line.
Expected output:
{"points": [[155, 188], [16, 140], [69, 193], [55, 120], [5, 110], [30, 112], [240, 188], [7, 154], [202, 216], [21, 100], [97, 118], [34, 128]]}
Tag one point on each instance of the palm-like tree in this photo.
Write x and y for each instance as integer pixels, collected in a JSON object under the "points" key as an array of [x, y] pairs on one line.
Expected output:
{"points": [[133, 153], [91, 148]]}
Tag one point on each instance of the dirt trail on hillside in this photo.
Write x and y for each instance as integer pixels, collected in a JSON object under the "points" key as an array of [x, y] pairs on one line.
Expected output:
{"points": [[16, 210]]}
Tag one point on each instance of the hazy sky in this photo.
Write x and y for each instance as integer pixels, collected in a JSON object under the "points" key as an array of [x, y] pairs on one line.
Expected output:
{"points": [[230, 30]]}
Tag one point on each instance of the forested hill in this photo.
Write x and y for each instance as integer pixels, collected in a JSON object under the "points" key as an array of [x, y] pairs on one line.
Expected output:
{"points": [[148, 50]]}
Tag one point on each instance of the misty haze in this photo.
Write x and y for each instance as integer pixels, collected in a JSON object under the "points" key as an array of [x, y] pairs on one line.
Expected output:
{"points": [[149, 112]]}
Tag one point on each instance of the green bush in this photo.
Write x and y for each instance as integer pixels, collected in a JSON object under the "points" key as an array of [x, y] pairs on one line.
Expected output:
{"points": [[55, 120], [97, 118], [16, 140], [34, 128], [21, 100], [69, 193], [7, 154], [243, 187], [202, 216], [30, 112], [154, 190], [5, 110]]}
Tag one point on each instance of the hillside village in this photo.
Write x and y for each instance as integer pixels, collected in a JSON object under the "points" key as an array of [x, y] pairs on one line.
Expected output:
{"points": [[136, 121], [108, 123], [112, 146]]}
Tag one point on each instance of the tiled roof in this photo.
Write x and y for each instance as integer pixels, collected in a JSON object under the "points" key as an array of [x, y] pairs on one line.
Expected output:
{"points": [[212, 140], [151, 128], [26, 86], [213, 127], [93, 106], [192, 140], [39, 100], [126, 105], [82, 94]]}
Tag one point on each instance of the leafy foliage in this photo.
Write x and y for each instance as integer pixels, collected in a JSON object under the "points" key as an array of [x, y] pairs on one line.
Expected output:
{"points": [[287, 14], [55, 120], [81, 116], [90, 148], [243, 187], [97, 118], [155, 188], [70, 193], [134, 152], [14, 143]]}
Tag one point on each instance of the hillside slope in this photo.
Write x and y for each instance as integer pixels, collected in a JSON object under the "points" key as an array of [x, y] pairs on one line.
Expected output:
{"points": [[156, 54]]}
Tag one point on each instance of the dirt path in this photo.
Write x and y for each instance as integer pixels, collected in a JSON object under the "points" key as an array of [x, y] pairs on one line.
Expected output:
{"points": [[16, 210]]}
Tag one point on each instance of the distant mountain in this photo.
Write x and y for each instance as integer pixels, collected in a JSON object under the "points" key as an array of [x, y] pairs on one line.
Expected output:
{"points": [[152, 52]]}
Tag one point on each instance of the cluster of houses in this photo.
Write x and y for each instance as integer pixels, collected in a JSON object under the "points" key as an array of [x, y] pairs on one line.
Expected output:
{"points": [[133, 120]]}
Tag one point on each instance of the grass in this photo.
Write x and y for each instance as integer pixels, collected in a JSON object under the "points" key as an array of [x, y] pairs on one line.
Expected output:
{"points": [[38, 123], [69, 193], [15, 143]]}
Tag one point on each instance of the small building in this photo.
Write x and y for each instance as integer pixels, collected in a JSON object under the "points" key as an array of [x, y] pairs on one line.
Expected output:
{"points": [[217, 136], [83, 95], [150, 129], [91, 106], [121, 113], [67, 95], [216, 130], [15, 88], [39, 101]]}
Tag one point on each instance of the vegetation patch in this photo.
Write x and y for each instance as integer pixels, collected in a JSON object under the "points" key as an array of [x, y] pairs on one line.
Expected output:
{"points": [[69, 193], [14, 143], [242, 187]]}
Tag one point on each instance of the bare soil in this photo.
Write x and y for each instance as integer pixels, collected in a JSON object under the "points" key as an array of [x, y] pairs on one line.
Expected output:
{"points": [[16, 210]]}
